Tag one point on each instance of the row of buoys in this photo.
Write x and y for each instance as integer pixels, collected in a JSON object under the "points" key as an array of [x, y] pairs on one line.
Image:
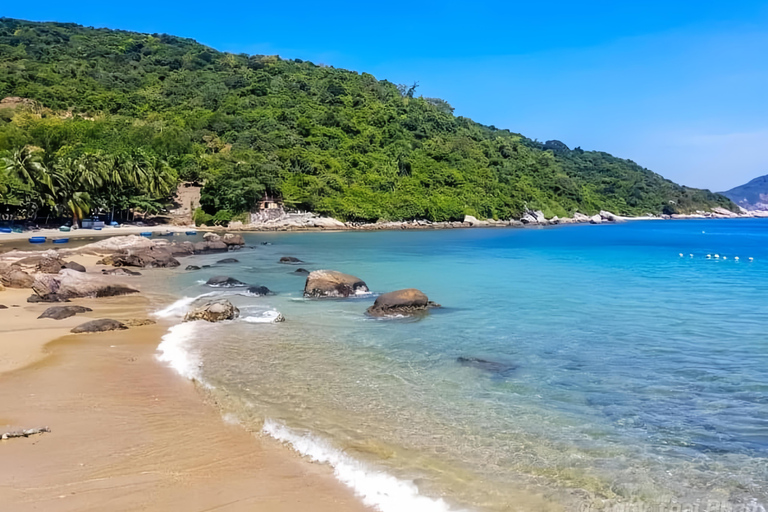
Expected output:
{"points": [[717, 257]]}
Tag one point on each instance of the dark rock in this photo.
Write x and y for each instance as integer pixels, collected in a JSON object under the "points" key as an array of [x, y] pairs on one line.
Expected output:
{"points": [[228, 260], [206, 266], [120, 272], [401, 302], [266, 243], [214, 311], [3, 306], [100, 325], [495, 367], [73, 265], [50, 265], [224, 282], [330, 283], [290, 259], [61, 312], [301, 271], [192, 267], [257, 291], [181, 249]]}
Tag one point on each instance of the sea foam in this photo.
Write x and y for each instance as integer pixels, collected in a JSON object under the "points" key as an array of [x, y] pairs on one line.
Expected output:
{"points": [[174, 350], [180, 307], [266, 317], [377, 489]]}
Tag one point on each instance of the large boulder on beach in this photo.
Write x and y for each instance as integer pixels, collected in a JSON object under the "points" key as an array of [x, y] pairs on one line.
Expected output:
{"points": [[100, 325], [181, 249], [401, 302], [330, 283], [150, 257], [70, 284], [209, 247], [11, 276], [224, 282], [48, 262], [120, 271], [233, 240], [214, 311], [115, 244], [62, 312], [211, 237]]}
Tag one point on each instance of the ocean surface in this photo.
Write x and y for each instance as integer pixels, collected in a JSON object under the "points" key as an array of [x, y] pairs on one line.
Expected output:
{"points": [[570, 368]]}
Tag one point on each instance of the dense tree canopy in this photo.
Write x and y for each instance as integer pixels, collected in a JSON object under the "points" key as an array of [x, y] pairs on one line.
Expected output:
{"points": [[119, 117]]}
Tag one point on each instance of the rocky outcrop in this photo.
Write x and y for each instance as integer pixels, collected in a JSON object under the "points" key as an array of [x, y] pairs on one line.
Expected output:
{"points": [[100, 325], [401, 302], [289, 260], [596, 219], [115, 244], [474, 222], [62, 312], [192, 267], [70, 284], [214, 311], [224, 282], [609, 217], [580, 217], [209, 247], [330, 283], [211, 237], [151, 257], [228, 260]]}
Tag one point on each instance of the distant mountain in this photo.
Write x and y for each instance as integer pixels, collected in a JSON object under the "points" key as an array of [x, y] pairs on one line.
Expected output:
{"points": [[752, 195]]}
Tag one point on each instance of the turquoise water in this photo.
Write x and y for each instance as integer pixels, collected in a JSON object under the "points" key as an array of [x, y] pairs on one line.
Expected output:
{"points": [[623, 373]]}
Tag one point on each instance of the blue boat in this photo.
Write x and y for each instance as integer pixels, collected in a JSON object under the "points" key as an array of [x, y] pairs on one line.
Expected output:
{"points": [[97, 228], [191, 232], [37, 239], [6, 230], [146, 234], [61, 240]]}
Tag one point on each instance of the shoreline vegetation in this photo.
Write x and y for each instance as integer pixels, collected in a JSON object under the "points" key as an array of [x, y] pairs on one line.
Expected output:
{"points": [[147, 438], [111, 122]]}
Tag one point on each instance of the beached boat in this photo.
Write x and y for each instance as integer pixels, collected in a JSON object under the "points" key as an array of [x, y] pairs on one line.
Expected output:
{"points": [[65, 229], [97, 228], [146, 234], [61, 240], [37, 239], [6, 230], [191, 232]]}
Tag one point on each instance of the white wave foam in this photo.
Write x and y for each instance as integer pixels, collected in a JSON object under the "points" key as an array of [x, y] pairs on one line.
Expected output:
{"points": [[179, 308], [377, 489], [267, 317], [174, 350]]}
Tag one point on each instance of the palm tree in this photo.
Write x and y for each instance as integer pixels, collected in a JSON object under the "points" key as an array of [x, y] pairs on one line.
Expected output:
{"points": [[26, 164]]}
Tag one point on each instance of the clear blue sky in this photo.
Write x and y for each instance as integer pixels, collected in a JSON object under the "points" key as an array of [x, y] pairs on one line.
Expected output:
{"points": [[679, 87]]}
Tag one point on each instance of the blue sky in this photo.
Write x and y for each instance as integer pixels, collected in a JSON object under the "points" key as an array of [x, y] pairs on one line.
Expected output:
{"points": [[679, 87]]}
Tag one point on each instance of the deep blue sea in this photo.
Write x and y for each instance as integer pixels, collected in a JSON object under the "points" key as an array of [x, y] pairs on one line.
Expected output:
{"points": [[622, 366]]}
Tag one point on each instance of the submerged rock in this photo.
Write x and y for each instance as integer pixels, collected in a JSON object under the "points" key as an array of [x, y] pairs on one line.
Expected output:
{"points": [[100, 325], [61, 312], [401, 302], [214, 311], [290, 259], [192, 267], [228, 260], [301, 271], [496, 367], [330, 283], [224, 282]]}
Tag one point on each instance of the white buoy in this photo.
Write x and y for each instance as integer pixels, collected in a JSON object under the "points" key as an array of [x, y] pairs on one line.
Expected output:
{"points": [[691, 255], [725, 257], [709, 256], [751, 258], [681, 255], [717, 255], [736, 258]]}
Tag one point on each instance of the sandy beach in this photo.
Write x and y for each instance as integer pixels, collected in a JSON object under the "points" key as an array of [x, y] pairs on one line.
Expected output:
{"points": [[127, 433]]}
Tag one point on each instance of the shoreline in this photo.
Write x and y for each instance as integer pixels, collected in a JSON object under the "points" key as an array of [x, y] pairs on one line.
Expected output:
{"points": [[128, 432]]}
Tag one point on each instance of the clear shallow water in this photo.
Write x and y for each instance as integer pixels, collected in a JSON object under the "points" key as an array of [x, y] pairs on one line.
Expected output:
{"points": [[625, 372]]}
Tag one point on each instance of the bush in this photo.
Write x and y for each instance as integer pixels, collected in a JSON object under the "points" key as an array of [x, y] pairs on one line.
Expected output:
{"points": [[200, 217]]}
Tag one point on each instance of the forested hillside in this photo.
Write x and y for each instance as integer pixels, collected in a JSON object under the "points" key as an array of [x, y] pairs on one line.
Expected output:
{"points": [[118, 118]]}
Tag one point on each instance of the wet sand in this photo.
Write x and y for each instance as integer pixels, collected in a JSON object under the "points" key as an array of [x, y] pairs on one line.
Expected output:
{"points": [[128, 433]]}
